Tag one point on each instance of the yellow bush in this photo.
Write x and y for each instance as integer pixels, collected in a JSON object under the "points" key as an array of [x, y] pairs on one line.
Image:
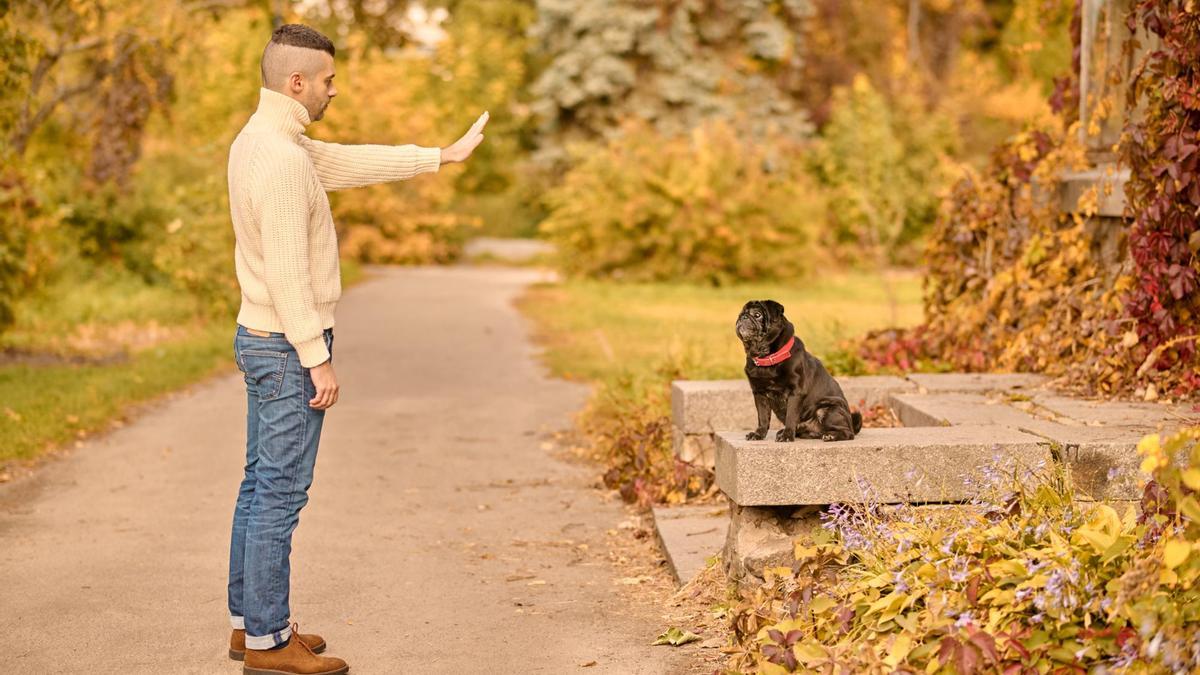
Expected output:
{"points": [[708, 207]]}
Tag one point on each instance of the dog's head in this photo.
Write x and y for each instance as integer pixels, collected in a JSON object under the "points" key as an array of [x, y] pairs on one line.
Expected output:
{"points": [[760, 322]]}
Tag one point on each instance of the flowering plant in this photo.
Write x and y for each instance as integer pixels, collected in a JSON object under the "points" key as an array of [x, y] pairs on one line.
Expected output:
{"points": [[1026, 579]]}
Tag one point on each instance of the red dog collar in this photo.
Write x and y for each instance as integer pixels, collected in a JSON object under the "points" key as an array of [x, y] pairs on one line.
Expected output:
{"points": [[784, 353]]}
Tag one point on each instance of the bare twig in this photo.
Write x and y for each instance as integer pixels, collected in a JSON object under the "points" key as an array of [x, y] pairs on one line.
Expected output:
{"points": [[1152, 358]]}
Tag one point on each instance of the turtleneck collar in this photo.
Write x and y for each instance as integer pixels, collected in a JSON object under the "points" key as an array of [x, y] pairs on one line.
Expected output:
{"points": [[280, 112]]}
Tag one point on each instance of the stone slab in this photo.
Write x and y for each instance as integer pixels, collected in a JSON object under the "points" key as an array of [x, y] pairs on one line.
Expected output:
{"points": [[1152, 416], [951, 409], [690, 535], [975, 382], [901, 464], [1098, 439], [705, 406]]}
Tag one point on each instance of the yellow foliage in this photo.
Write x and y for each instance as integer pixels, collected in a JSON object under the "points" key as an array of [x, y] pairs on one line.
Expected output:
{"points": [[712, 206]]}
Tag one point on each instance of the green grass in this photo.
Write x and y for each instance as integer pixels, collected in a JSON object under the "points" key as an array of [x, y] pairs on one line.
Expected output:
{"points": [[93, 296], [600, 330], [45, 406]]}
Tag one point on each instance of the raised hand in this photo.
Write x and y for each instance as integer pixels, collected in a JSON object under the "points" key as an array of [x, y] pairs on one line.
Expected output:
{"points": [[461, 149]]}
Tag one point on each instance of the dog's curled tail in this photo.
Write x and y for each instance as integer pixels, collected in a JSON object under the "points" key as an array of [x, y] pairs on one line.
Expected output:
{"points": [[856, 420]]}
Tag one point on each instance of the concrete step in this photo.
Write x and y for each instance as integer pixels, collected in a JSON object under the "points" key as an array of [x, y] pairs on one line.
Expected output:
{"points": [[900, 465], [1097, 438], [705, 406], [690, 535], [701, 407]]}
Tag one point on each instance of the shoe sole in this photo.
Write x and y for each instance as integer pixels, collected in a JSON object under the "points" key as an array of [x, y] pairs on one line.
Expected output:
{"points": [[246, 670], [241, 656]]}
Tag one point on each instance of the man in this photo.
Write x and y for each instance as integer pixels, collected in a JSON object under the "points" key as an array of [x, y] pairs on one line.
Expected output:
{"points": [[287, 266]]}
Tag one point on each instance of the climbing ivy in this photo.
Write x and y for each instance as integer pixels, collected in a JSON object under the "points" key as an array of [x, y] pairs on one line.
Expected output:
{"points": [[1161, 145], [1016, 283]]}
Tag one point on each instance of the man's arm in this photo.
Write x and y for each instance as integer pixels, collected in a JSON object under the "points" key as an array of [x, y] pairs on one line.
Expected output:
{"points": [[339, 167], [284, 225], [346, 166]]}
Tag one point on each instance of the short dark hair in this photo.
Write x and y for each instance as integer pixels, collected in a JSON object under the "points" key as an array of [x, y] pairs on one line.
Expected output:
{"points": [[299, 35]]}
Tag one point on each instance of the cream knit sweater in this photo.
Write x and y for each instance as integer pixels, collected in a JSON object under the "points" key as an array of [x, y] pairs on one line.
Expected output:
{"points": [[286, 253]]}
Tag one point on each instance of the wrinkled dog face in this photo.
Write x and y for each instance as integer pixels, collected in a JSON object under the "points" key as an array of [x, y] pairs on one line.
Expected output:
{"points": [[759, 324]]}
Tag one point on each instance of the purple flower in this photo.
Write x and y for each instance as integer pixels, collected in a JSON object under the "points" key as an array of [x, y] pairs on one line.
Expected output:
{"points": [[965, 619]]}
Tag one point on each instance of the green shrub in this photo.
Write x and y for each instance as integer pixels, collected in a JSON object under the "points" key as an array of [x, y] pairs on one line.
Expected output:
{"points": [[191, 245], [709, 207], [883, 163], [25, 257]]}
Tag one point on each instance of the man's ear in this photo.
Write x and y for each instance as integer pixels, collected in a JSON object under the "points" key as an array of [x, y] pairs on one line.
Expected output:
{"points": [[774, 307]]}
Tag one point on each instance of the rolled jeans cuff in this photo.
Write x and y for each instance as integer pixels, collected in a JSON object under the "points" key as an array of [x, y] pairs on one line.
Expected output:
{"points": [[267, 641], [238, 622]]}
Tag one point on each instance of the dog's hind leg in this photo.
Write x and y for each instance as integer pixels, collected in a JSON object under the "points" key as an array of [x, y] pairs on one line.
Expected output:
{"points": [[836, 423], [809, 428]]}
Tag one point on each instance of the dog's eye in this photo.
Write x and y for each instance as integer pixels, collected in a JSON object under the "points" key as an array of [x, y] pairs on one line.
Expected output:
{"points": [[756, 314]]}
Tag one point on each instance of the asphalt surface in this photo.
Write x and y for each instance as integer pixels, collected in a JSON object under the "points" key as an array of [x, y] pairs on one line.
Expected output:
{"points": [[442, 535]]}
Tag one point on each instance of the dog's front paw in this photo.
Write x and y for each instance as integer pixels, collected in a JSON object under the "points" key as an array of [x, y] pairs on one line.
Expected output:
{"points": [[756, 435], [829, 437], [785, 436]]}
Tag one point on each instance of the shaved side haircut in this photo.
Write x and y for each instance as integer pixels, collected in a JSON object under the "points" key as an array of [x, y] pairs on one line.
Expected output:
{"points": [[292, 49]]}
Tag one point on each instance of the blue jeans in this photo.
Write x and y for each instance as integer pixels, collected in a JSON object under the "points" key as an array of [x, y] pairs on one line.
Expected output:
{"points": [[282, 433]]}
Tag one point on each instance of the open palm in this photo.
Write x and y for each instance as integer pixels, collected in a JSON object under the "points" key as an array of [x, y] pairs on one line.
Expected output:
{"points": [[461, 149]]}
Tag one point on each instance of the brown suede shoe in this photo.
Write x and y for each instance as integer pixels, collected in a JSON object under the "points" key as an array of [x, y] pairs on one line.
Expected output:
{"points": [[294, 659], [237, 644]]}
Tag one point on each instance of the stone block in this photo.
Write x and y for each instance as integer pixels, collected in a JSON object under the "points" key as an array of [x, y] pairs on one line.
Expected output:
{"points": [[868, 391], [1152, 416], [1098, 439], [902, 464], [690, 535], [951, 409], [762, 536], [695, 448], [975, 382], [706, 406]]}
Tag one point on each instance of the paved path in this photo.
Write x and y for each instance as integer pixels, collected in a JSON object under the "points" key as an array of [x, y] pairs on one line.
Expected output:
{"points": [[435, 513]]}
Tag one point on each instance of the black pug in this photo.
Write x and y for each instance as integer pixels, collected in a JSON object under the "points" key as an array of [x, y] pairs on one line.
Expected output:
{"points": [[788, 380]]}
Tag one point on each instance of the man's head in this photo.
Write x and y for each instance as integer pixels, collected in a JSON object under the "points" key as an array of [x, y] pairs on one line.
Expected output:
{"points": [[298, 62]]}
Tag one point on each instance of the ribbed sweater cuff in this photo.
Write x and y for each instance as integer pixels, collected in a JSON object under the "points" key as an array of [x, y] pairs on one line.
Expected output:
{"points": [[312, 352], [429, 159]]}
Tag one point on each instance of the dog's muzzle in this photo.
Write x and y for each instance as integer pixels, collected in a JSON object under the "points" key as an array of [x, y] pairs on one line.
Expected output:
{"points": [[746, 329]]}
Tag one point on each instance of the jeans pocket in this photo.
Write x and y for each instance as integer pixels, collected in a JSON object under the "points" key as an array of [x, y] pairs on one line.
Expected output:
{"points": [[264, 369]]}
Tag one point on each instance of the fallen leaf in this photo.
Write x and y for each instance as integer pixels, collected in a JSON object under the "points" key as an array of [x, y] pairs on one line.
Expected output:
{"points": [[633, 581], [587, 664], [675, 637]]}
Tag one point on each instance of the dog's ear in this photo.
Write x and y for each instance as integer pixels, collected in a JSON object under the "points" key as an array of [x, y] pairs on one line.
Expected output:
{"points": [[773, 308]]}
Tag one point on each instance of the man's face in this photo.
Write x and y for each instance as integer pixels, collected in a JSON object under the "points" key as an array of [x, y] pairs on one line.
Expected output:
{"points": [[319, 89]]}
